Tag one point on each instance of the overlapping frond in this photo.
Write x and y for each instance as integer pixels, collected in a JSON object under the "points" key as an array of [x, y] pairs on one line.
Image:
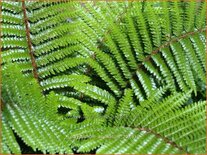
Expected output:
{"points": [[28, 115], [9, 144], [52, 34], [108, 77], [143, 50], [167, 128]]}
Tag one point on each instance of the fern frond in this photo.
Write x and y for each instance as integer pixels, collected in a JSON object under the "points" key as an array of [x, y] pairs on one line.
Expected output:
{"points": [[177, 20], [165, 21], [112, 77], [13, 29], [160, 129], [153, 23], [63, 101], [125, 106], [152, 145], [141, 23], [182, 65], [173, 67], [94, 92], [31, 130], [199, 49], [24, 110], [9, 139], [60, 67], [200, 18], [120, 46], [134, 38], [196, 66], [63, 81], [189, 15]]}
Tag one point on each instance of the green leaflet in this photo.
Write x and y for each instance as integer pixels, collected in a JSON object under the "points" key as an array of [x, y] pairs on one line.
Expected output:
{"points": [[63, 81], [125, 106], [8, 139], [177, 21], [127, 137], [94, 92], [24, 110], [154, 125], [104, 77], [23, 124]]}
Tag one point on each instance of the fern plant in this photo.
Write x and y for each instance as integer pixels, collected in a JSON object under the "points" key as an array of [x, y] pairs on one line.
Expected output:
{"points": [[104, 77]]}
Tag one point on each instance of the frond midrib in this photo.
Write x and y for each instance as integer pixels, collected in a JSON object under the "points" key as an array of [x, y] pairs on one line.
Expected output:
{"points": [[165, 139], [29, 42], [164, 45]]}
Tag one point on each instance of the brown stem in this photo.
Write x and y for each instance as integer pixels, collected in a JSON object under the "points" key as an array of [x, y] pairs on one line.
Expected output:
{"points": [[165, 139], [168, 43], [29, 42], [156, 51]]}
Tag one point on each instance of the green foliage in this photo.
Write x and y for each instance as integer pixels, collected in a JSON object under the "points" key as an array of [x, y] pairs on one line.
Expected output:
{"points": [[104, 77]]}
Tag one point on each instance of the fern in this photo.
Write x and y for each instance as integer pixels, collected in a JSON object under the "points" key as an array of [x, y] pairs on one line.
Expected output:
{"points": [[103, 77]]}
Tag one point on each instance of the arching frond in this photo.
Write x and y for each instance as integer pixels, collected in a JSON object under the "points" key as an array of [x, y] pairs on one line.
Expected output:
{"points": [[153, 127], [103, 77]]}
